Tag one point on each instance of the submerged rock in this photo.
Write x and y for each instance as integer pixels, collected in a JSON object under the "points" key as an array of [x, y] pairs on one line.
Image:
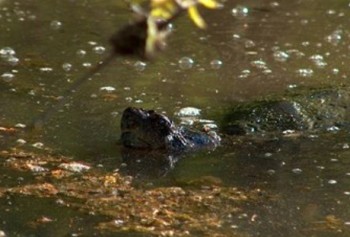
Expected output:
{"points": [[308, 110]]}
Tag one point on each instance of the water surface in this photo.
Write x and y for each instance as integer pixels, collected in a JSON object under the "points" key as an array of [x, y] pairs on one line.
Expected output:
{"points": [[277, 46]]}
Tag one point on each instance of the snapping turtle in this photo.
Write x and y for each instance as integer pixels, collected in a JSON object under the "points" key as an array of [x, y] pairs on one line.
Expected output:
{"points": [[147, 129], [323, 109]]}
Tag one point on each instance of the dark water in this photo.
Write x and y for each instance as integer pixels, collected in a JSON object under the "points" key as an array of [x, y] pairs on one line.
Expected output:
{"points": [[278, 46]]}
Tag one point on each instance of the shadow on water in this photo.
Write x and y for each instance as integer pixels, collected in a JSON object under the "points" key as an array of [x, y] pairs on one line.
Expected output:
{"points": [[244, 56]]}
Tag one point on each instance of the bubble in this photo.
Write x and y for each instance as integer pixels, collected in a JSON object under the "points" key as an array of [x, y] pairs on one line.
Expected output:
{"points": [[81, 53], [280, 56], [236, 36], [46, 69], [55, 25], [115, 114], [249, 44], [216, 64], [38, 145], [66, 67], [333, 129], [128, 99], [7, 77], [186, 63], [20, 125], [271, 172], [12, 60], [140, 66], [108, 89], [335, 71], [318, 60], [259, 64], [86, 64], [189, 112], [92, 43], [21, 141], [335, 37], [240, 12], [297, 171], [292, 86], [305, 72], [6, 52], [245, 73], [305, 43], [99, 49], [169, 28], [332, 181], [296, 53], [274, 4]]}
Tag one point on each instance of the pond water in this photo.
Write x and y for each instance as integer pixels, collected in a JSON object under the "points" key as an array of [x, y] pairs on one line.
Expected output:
{"points": [[250, 50]]}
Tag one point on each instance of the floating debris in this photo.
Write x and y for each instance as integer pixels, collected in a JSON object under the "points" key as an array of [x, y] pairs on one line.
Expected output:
{"points": [[36, 168], [74, 167]]}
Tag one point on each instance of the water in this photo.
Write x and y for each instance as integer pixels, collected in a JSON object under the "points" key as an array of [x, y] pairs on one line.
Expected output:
{"points": [[256, 50]]}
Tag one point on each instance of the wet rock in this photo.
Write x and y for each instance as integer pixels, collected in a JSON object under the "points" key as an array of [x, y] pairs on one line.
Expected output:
{"points": [[308, 110]]}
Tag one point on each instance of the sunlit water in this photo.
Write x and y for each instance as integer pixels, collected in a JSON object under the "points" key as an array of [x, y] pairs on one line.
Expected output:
{"points": [[251, 49]]}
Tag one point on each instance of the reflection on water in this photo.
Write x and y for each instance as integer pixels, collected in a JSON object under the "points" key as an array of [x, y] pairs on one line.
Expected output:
{"points": [[251, 49]]}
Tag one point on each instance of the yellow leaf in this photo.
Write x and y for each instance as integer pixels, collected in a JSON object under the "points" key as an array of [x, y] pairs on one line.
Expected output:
{"points": [[196, 18], [163, 9], [210, 4]]}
